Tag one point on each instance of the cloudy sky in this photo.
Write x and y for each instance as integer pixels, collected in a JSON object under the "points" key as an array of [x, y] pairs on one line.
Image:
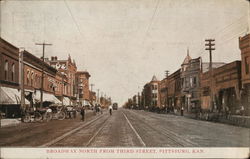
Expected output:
{"points": [[123, 43]]}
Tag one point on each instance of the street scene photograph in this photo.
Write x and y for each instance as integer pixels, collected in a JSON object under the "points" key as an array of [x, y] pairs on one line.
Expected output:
{"points": [[125, 74]]}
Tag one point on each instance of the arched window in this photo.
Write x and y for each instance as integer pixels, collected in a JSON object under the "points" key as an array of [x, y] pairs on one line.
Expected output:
{"points": [[32, 78], [6, 69], [28, 77], [13, 72], [36, 80]]}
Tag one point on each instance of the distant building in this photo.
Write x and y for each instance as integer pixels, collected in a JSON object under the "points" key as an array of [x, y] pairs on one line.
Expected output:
{"points": [[163, 85], [82, 81], [174, 90], [151, 94]]}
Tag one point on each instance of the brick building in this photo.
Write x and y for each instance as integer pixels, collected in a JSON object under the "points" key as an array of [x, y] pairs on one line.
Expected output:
{"points": [[174, 90], [10, 95], [152, 94], [68, 69], [244, 45], [225, 87], [163, 85], [32, 79], [82, 81]]}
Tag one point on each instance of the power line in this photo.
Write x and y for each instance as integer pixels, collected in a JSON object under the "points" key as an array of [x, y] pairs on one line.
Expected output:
{"points": [[221, 30], [151, 19], [71, 14]]}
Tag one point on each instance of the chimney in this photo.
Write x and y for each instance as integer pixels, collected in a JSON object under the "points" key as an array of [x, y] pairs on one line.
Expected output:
{"points": [[55, 58], [52, 58]]}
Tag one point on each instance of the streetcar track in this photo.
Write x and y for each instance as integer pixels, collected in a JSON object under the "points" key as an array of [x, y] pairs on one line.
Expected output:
{"points": [[60, 138], [98, 131], [136, 133], [170, 135]]}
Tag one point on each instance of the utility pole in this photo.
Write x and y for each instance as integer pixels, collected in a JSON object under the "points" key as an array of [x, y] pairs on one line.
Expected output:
{"points": [[210, 46], [98, 99], [91, 92], [166, 73], [41, 99], [21, 77]]}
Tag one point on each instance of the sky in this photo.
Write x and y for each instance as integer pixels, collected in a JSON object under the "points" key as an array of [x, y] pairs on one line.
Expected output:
{"points": [[123, 43]]}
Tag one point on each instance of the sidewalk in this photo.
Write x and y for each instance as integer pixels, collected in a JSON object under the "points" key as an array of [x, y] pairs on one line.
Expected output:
{"points": [[10, 122], [16, 121], [238, 120]]}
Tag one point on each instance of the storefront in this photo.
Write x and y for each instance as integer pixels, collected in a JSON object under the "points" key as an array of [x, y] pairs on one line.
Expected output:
{"points": [[47, 99], [10, 102]]}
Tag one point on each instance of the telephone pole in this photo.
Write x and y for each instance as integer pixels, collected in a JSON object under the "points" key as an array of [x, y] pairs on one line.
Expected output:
{"points": [[210, 46], [21, 76], [98, 98], [166, 73], [41, 99], [91, 92]]}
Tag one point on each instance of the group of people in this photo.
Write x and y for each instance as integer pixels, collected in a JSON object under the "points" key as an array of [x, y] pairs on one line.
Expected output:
{"points": [[97, 110]]}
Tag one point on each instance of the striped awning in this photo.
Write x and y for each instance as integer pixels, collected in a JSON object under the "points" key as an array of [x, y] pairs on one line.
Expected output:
{"points": [[66, 101], [11, 96], [46, 97]]}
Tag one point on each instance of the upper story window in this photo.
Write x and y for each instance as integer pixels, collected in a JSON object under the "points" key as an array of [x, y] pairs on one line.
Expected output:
{"points": [[195, 81], [13, 72], [28, 77], [32, 78], [6, 67], [36, 80]]}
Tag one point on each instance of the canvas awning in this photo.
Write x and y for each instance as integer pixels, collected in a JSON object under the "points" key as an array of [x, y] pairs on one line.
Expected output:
{"points": [[46, 97], [66, 101], [85, 102], [10, 96]]}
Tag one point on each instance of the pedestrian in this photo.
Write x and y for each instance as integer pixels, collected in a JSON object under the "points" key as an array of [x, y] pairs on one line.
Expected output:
{"points": [[96, 109], [110, 110], [182, 109], [83, 113]]}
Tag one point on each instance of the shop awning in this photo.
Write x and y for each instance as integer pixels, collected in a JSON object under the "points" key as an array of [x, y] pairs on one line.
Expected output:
{"points": [[46, 97], [10, 96], [66, 101], [85, 102]]}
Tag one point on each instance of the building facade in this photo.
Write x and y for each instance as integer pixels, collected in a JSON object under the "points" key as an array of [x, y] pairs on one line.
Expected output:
{"points": [[174, 90], [244, 45], [220, 89], [190, 82], [152, 95], [10, 95], [39, 76], [163, 85], [68, 69], [82, 81]]}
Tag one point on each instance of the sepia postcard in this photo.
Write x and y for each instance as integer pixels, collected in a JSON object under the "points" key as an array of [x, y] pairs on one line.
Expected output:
{"points": [[124, 79]]}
